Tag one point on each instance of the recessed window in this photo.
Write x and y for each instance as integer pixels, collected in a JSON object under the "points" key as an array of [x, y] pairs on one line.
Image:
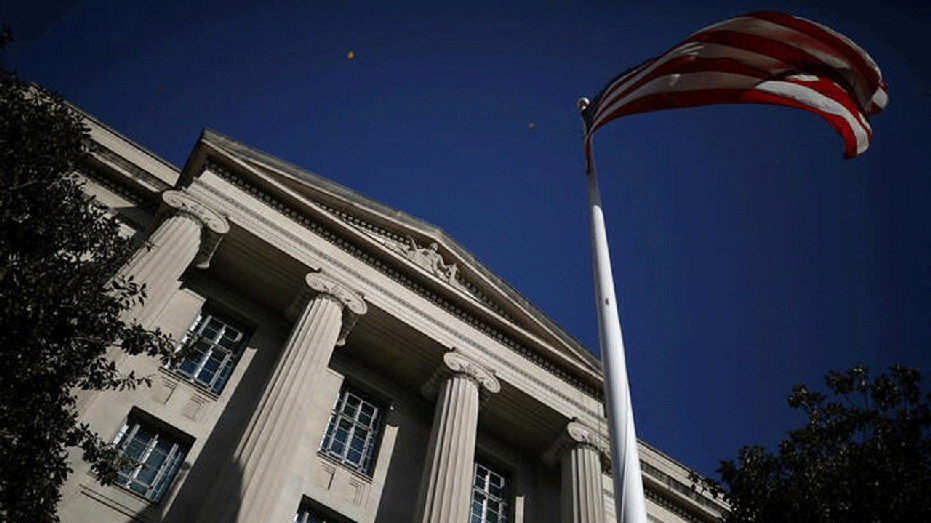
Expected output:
{"points": [[308, 515], [154, 457], [211, 349], [354, 430], [489, 496]]}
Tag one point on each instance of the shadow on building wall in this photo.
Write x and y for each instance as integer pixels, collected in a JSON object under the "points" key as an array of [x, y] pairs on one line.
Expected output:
{"points": [[215, 479], [399, 497]]}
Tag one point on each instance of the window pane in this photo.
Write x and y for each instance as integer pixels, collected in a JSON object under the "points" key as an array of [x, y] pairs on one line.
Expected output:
{"points": [[351, 404], [135, 449], [489, 496], [209, 370], [351, 435], [155, 456], [230, 337], [212, 329], [307, 515], [213, 347]]}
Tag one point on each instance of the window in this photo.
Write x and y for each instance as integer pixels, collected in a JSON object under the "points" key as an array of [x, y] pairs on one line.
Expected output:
{"points": [[154, 455], [489, 496], [212, 347], [354, 429], [308, 515]]}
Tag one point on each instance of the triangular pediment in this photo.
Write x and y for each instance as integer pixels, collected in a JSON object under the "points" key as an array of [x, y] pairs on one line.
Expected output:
{"points": [[428, 257]]}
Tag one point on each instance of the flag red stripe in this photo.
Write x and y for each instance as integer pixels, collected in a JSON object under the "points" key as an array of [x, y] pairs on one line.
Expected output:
{"points": [[720, 96], [813, 54], [788, 54], [835, 92], [678, 65], [837, 122], [758, 58], [712, 96], [851, 51], [799, 58]]}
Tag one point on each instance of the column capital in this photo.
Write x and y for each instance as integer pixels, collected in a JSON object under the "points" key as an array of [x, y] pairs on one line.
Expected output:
{"points": [[318, 284], [577, 435], [456, 363], [213, 223], [182, 202]]}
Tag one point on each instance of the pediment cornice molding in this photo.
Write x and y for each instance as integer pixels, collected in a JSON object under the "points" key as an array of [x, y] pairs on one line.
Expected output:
{"points": [[425, 255]]}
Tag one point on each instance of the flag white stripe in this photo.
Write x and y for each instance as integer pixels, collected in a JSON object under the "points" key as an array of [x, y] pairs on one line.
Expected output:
{"points": [[827, 54], [771, 65], [775, 51], [821, 104], [683, 82], [697, 50], [745, 24], [791, 87]]}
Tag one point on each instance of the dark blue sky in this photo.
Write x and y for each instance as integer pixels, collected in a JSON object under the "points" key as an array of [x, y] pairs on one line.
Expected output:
{"points": [[748, 255]]}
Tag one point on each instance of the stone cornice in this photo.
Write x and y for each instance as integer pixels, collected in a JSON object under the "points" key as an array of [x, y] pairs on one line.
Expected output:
{"points": [[671, 484], [378, 262], [99, 171], [106, 156], [657, 496]]}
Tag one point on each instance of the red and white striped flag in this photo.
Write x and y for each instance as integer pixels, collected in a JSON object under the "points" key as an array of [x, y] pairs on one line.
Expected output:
{"points": [[763, 57]]}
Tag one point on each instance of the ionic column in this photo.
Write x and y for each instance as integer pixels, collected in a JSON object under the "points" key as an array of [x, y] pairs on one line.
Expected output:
{"points": [[446, 485], [189, 235], [271, 440], [580, 450]]}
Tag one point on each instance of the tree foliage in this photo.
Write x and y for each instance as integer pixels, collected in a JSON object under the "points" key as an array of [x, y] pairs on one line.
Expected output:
{"points": [[863, 456], [61, 308]]}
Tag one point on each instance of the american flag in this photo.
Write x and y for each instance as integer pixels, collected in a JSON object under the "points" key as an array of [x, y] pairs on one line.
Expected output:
{"points": [[763, 57]]}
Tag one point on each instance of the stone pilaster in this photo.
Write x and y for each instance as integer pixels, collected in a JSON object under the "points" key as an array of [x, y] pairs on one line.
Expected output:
{"points": [[271, 440], [189, 234], [581, 452], [446, 485]]}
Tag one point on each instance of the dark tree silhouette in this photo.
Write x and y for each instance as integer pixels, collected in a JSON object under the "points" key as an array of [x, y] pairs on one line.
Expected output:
{"points": [[61, 308]]}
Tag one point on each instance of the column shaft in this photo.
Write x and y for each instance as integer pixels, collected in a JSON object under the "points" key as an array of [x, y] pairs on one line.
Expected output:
{"points": [[283, 412], [447, 485], [248, 489], [582, 497], [160, 263]]}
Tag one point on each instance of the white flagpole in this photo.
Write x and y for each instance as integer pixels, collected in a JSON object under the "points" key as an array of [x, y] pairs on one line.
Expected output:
{"points": [[629, 503]]}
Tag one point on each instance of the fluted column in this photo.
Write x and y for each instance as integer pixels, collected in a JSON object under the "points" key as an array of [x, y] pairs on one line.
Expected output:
{"points": [[446, 485], [273, 435], [188, 235], [580, 450]]}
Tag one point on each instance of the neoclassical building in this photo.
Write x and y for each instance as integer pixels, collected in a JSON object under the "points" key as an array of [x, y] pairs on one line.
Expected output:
{"points": [[343, 362]]}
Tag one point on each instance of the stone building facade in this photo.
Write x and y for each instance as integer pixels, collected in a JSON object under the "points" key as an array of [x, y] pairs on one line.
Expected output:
{"points": [[344, 362]]}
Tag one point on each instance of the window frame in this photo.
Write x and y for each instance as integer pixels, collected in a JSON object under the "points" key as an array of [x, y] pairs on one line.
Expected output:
{"points": [[166, 471], [230, 355], [484, 495], [307, 510], [339, 419]]}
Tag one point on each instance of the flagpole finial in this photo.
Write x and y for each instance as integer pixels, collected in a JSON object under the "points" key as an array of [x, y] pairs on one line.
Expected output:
{"points": [[583, 104]]}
